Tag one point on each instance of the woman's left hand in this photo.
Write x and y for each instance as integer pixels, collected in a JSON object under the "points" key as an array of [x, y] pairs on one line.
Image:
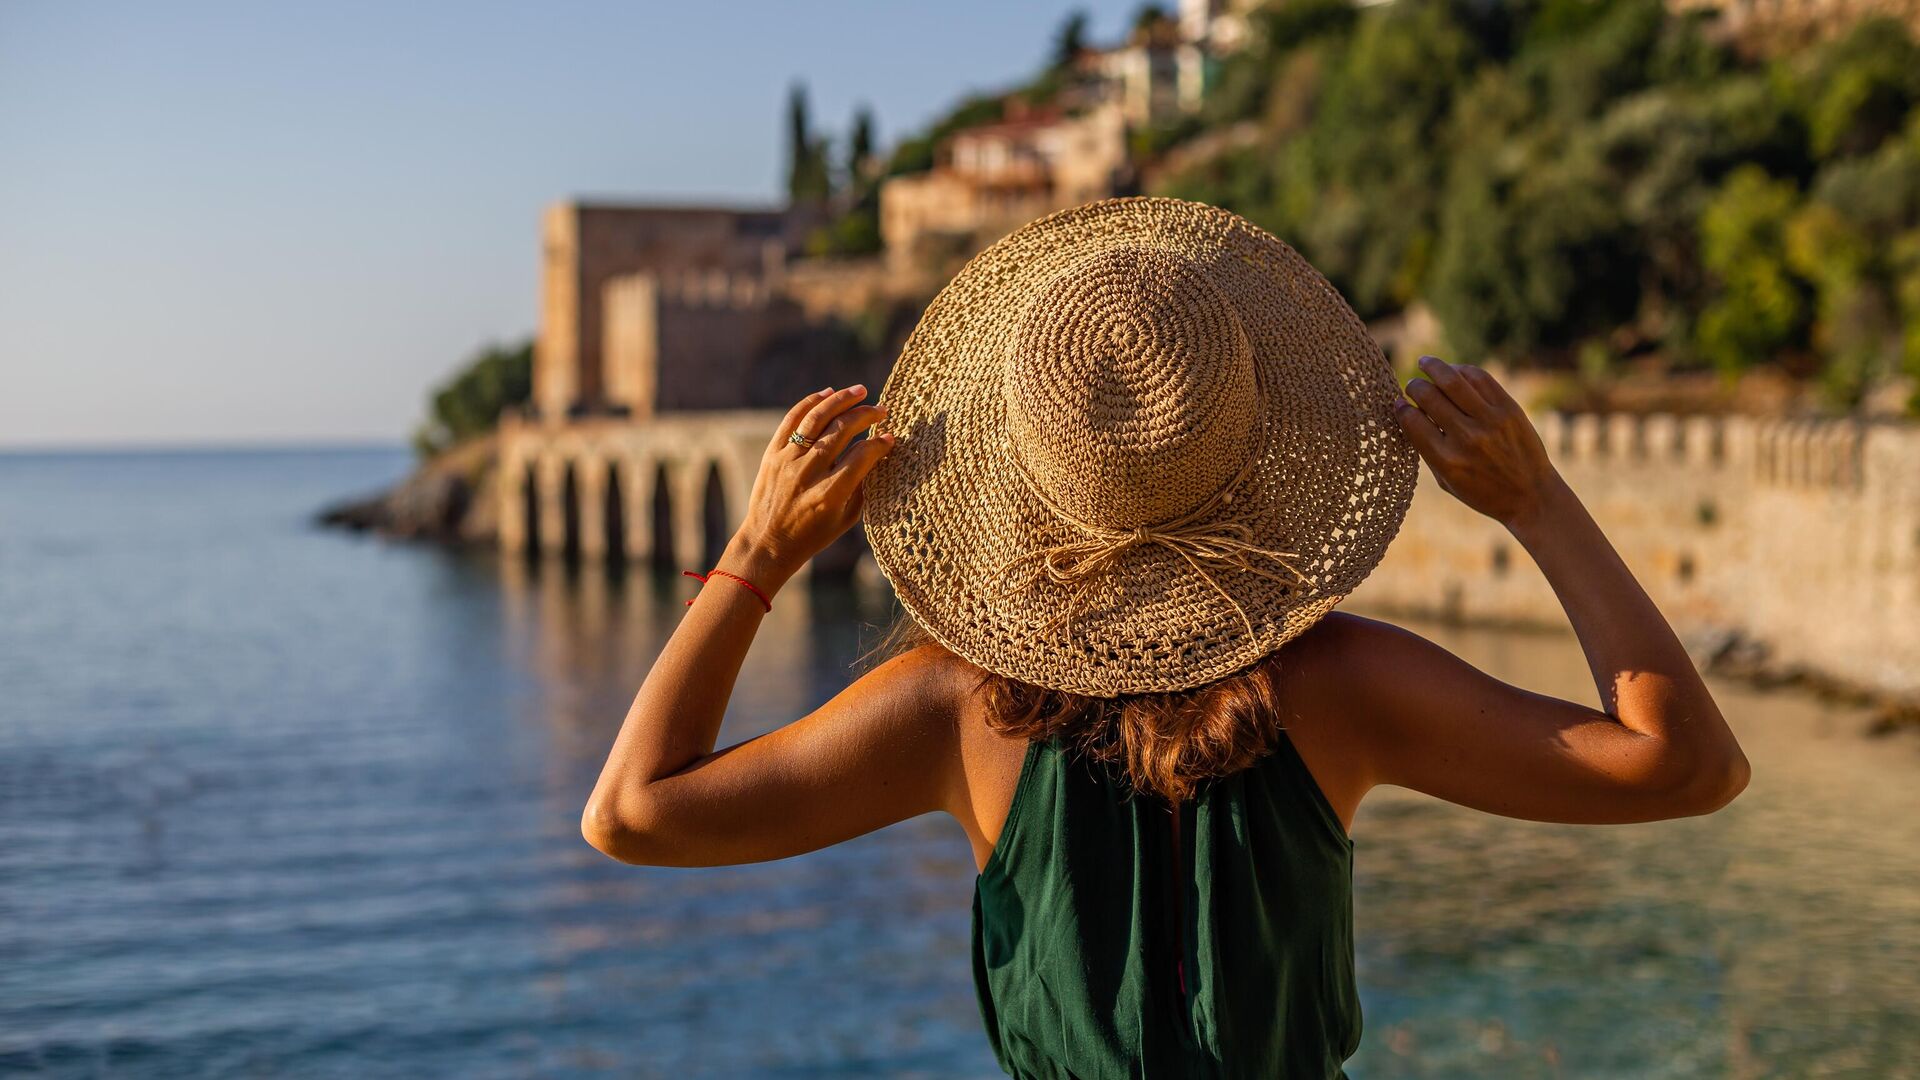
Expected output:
{"points": [[805, 496]]}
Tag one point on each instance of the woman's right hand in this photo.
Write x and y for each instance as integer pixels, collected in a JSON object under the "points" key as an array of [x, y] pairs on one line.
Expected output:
{"points": [[807, 494], [1478, 441]]}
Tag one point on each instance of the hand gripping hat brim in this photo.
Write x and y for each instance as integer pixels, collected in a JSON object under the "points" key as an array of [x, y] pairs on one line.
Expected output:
{"points": [[1141, 444]]}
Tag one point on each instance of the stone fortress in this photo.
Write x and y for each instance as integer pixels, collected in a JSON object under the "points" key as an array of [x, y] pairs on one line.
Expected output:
{"points": [[670, 336]]}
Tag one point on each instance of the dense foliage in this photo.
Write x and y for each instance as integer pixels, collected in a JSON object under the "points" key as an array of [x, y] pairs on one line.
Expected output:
{"points": [[470, 403], [1561, 180], [848, 192]]}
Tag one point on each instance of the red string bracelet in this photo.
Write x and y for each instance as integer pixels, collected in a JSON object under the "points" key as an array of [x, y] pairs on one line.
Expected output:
{"points": [[744, 583]]}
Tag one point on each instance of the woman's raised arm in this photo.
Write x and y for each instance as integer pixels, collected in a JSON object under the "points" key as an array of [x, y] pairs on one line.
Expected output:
{"points": [[877, 753], [1431, 722]]}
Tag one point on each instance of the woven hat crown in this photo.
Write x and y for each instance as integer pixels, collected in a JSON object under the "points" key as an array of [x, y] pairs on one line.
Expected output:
{"points": [[1141, 444], [1131, 392]]}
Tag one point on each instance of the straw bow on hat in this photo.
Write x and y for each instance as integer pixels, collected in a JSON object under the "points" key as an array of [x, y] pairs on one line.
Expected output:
{"points": [[1142, 444]]}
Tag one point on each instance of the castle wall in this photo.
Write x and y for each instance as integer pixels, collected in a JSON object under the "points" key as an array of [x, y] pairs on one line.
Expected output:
{"points": [[690, 341], [1801, 537], [845, 288], [586, 245]]}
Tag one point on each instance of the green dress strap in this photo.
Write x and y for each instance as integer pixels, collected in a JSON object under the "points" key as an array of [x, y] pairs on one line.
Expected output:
{"points": [[1112, 939]]}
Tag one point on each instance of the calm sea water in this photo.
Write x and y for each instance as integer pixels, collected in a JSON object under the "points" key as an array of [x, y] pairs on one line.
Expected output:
{"points": [[281, 802]]}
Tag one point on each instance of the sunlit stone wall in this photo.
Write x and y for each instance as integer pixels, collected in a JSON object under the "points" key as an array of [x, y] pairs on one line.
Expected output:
{"points": [[1801, 537]]}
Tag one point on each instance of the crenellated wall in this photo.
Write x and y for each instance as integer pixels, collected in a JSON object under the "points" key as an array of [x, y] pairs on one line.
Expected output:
{"points": [[688, 340], [1802, 537], [585, 245]]}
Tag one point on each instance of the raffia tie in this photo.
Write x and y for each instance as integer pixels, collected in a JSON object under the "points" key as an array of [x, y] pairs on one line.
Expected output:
{"points": [[1081, 563]]}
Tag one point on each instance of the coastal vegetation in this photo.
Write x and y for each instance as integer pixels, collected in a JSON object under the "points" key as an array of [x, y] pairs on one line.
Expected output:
{"points": [[469, 404], [1566, 185], [1572, 184]]}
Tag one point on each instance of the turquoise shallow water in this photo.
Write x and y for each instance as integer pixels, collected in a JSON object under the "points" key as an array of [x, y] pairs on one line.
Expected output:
{"points": [[276, 801]]}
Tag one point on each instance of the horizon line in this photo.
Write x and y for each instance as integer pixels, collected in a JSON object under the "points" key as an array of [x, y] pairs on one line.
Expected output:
{"points": [[215, 445]]}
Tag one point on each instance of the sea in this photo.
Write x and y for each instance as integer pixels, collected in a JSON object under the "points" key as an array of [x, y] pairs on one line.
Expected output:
{"points": [[279, 801]]}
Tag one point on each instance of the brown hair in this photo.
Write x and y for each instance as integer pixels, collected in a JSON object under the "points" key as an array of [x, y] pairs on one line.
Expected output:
{"points": [[1167, 744]]}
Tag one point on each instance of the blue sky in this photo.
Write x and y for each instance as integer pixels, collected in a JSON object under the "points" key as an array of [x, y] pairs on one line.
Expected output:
{"points": [[241, 222]]}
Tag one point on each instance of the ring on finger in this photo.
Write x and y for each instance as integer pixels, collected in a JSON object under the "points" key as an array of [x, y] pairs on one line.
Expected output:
{"points": [[800, 440]]}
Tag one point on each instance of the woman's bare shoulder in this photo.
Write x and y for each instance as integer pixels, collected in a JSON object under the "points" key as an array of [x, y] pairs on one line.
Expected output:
{"points": [[1320, 679], [931, 688], [1338, 654], [1328, 655], [1341, 631], [929, 679], [985, 764]]}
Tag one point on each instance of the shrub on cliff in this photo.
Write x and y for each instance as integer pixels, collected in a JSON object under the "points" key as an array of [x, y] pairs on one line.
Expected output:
{"points": [[470, 403]]}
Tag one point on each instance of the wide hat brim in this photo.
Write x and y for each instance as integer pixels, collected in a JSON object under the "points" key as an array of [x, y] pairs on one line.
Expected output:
{"points": [[949, 510]]}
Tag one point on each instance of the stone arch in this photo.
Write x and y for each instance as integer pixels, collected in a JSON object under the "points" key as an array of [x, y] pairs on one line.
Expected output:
{"points": [[614, 512], [570, 509], [550, 488], [638, 481], [590, 503], [661, 518], [715, 515], [530, 508]]}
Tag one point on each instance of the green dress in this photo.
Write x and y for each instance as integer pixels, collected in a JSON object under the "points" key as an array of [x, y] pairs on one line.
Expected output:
{"points": [[1107, 943]]}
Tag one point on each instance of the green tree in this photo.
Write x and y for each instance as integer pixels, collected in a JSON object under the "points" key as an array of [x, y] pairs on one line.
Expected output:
{"points": [[1535, 254], [808, 176], [1856, 92], [1853, 243], [1150, 17], [1561, 179], [1759, 308], [1282, 59], [1360, 188], [1070, 39], [470, 403], [859, 144]]}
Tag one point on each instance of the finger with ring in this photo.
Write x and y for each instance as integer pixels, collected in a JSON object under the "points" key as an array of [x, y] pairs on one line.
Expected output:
{"points": [[820, 418]]}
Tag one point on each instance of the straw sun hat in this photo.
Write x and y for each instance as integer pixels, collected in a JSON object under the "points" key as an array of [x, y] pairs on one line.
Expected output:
{"points": [[1141, 445]]}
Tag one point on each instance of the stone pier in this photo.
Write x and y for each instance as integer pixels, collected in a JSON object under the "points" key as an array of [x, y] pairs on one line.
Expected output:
{"points": [[670, 488]]}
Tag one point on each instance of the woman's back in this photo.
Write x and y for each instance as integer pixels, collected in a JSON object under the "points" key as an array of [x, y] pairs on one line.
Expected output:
{"points": [[1112, 938]]}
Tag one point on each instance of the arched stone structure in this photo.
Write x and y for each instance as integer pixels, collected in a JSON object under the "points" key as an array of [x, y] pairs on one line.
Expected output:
{"points": [[685, 453]]}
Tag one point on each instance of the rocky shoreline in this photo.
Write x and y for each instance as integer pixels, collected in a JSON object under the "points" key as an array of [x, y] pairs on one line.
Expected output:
{"points": [[448, 499]]}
